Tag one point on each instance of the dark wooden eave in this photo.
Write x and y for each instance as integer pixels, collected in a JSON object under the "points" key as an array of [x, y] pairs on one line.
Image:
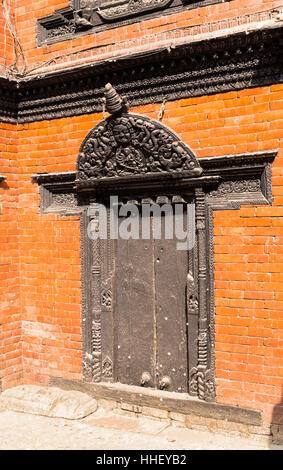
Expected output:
{"points": [[208, 66]]}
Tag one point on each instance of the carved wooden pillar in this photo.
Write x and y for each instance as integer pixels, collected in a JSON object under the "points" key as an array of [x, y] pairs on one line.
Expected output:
{"points": [[107, 314], [98, 264], [93, 356], [205, 386]]}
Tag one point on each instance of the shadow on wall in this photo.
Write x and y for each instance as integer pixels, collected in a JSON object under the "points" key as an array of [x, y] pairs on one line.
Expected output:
{"points": [[276, 429]]}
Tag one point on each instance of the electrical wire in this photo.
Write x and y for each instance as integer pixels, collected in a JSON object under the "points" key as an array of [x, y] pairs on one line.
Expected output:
{"points": [[14, 69], [162, 109], [17, 42]]}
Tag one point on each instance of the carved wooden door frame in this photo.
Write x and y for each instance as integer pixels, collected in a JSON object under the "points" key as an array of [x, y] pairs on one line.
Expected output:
{"points": [[97, 299]]}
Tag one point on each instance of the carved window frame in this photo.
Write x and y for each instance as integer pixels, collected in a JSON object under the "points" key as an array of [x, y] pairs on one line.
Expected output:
{"points": [[88, 16]]}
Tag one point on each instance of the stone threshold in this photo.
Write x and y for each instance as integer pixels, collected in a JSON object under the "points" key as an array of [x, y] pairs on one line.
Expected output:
{"points": [[172, 402]]}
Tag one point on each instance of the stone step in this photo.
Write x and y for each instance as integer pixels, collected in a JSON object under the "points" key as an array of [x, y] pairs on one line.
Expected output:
{"points": [[48, 401]]}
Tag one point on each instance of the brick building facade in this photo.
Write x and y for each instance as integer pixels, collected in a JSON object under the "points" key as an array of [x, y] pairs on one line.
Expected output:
{"points": [[216, 66]]}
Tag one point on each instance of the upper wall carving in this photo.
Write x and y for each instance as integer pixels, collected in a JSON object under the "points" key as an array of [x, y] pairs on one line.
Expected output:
{"points": [[83, 16]]}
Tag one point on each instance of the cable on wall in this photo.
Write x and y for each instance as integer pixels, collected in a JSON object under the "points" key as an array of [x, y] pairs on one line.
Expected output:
{"points": [[17, 42]]}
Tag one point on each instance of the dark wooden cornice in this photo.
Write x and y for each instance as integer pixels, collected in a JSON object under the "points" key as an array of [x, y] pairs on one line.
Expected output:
{"points": [[8, 100], [207, 66]]}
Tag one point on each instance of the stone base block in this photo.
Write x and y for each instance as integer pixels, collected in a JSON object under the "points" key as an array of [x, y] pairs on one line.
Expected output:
{"points": [[48, 401]]}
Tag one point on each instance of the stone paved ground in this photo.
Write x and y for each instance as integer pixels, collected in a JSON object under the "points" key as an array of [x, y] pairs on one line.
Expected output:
{"points": [[106, 430]]}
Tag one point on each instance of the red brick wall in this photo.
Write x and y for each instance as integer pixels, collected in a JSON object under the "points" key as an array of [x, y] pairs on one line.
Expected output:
{"points": [[10, 311], [40, 254], [248, 247], [49, 255], [6, 43]]}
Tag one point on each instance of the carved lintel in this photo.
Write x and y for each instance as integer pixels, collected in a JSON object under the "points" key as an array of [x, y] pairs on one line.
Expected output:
{"points": [[82, 15], [103, 14], [64, 199], [246, 179]]}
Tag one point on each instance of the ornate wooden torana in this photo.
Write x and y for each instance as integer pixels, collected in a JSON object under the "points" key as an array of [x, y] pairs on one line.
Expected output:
{"points": [[131, 144]]}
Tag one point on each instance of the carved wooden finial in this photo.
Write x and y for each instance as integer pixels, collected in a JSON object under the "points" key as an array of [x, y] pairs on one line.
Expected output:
{"points": [[114, 103]]}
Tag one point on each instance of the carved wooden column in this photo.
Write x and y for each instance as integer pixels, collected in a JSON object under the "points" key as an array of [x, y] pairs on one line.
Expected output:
{"points": [[107, 313], [205, 386], [93, 354], [96, 302], [98, 297]]}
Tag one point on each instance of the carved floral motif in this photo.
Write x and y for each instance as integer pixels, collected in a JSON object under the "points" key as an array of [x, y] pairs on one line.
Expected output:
{"points": [[240, 186], [64, 199]]}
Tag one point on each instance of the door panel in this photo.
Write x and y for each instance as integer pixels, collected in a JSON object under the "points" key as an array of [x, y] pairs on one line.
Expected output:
{"points": [[150, 313], [170, 283], [135, 311]]}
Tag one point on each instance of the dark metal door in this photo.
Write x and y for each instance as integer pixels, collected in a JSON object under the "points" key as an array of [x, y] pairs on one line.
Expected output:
{"points": [[150, 313]]}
